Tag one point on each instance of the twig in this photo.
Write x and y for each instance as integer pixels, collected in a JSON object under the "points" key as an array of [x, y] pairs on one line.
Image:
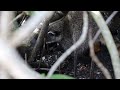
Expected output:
{"points": [[6, 17], [24, 31], [10, 60], [73, 47], [109, 42], [17, 17], [14, 64], [92, 70], [34, 34], [4, 74], [40, 41], [96, 60], [107, 22]]}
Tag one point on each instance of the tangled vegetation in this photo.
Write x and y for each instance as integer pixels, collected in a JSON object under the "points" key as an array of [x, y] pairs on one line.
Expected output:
{"points": [[59, 45]]}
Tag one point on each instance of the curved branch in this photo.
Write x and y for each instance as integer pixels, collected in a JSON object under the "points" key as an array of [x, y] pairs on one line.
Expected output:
{"points": [[6, 17], [107, 22], [40, 41], [24, 31], [73, 47], [4, 74], [12, 63], [96, 60], [16, 18], [109, 42]]}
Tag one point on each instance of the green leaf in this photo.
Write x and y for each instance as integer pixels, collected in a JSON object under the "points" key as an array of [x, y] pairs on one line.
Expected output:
{"points": [[61, 76]]}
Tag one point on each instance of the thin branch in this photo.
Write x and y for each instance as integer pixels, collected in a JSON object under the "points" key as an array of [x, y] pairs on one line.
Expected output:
{"points": [[92, 70], [40, 41], [6, 17], [107, 22], [73, 47], [96, 60], [31, 37], [16, 18], [4, 74], [14, 64], [109, 42], [24, 31]]}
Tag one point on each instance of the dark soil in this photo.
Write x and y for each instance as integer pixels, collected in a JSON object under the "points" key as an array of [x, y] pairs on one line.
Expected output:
{"points": [[86, 69]]}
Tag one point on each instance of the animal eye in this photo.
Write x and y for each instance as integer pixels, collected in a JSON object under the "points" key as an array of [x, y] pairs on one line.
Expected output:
{"points": [[55, 33], [51, 33]]}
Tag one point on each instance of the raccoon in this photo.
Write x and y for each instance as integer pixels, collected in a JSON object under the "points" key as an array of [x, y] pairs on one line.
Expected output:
{"points": [[68, 30]]}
